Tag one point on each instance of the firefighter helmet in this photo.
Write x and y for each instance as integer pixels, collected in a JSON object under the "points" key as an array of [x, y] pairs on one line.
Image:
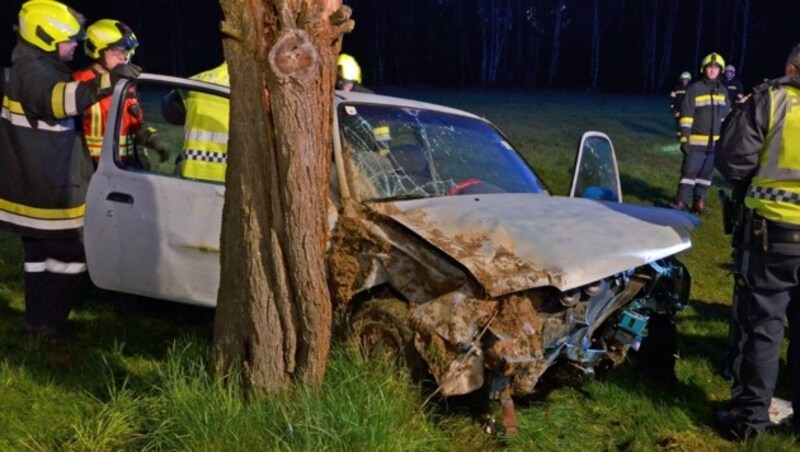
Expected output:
{"points": [[107, 33], [46, 23], [712, 58], [686, 75], [348, 68]]}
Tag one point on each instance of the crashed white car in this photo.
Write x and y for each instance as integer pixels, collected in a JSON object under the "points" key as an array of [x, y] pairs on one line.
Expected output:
{"points": [[458, 259]]}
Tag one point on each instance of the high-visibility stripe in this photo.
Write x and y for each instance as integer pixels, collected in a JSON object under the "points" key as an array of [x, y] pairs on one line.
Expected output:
{"points": [[41, 213], [686, 121], [57, 100], [51, 126], [701, 139], [703, 182], [204, 135], [42, 225], [13, 106], [686, 182], [55, 266], [70, 102]]}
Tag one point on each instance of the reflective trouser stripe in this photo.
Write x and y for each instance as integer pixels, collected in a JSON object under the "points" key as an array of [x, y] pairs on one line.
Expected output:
{"points": [[687, 181], [55, 266]]}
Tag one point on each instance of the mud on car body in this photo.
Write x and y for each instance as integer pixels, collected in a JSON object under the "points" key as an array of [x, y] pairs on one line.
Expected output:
{"points": [[447, 251]]}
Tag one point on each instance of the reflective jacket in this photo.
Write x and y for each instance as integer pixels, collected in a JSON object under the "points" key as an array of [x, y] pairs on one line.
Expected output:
{"points": [[702, 110], [676, 96], [205, 142], [94, 119], [760, 146], [45, 167]]}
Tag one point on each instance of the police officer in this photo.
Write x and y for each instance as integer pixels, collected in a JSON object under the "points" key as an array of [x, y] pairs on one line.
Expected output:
{"points": [[759, 151], [702, 110], [45, 167], [733, 85], [676, 97], [206, 120]]}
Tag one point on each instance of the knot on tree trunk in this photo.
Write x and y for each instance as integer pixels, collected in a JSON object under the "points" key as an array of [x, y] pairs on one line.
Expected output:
{"points": [[294, 56]]}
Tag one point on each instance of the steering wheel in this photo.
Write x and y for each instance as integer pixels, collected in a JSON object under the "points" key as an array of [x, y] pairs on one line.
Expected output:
{"points": [[463, 185]]}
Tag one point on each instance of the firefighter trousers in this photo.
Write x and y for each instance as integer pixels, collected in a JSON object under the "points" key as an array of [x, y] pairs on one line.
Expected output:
{"points": [[55, 280], [696, 170], [767, 292]]}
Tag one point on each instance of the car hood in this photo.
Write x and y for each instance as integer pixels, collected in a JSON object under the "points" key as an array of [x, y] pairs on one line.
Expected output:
{"points": [[513, 242]]}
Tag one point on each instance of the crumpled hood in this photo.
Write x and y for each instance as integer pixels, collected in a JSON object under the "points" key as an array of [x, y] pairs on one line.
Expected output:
{"points": [[513, 242]]}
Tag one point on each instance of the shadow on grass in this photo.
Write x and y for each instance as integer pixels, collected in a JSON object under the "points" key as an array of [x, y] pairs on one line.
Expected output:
{"points": [[104, 346], [641, 189]]}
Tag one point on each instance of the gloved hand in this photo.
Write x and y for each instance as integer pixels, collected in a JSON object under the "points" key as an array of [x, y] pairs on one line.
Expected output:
{"points": [[106, 81], [152, 140], [124, 71]]}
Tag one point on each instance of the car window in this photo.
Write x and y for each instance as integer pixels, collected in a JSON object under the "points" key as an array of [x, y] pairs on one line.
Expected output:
{"points": [[396, 152], [164, 142]]}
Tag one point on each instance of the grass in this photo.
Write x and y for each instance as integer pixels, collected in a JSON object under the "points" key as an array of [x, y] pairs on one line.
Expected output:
{"points": [[139, 381]]}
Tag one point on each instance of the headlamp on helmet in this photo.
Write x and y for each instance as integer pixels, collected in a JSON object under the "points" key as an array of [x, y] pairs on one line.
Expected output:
{"points": [[107, 33]]}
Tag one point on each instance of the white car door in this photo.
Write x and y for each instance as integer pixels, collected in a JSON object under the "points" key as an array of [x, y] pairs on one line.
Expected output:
{"points": [[596, 174], [147, 230]]}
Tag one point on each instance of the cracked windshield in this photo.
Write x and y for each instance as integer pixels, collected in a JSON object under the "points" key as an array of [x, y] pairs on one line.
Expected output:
{"points": [[407, 153]]}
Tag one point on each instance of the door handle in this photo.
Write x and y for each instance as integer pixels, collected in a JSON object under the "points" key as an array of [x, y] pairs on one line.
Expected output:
{"points": [[120, 197]]}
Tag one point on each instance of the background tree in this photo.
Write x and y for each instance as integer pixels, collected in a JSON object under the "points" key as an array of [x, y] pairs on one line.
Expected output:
{"points": [[273, 316]]}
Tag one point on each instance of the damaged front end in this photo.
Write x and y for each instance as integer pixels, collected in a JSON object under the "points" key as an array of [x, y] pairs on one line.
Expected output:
{"points": [[517, 342]]}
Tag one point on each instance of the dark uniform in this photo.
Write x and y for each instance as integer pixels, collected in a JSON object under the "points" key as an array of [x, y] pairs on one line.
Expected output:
{"points": [[760, 155], [703, 108], [676, 95], [735, 91], [46, 170]]}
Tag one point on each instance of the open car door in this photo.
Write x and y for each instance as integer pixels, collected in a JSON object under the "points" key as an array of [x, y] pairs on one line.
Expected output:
{"points": [[148, 230], [595, 174]]}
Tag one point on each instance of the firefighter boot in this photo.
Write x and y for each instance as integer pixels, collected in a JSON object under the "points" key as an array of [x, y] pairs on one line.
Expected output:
{"points": [[679, 205], [699, 206]]}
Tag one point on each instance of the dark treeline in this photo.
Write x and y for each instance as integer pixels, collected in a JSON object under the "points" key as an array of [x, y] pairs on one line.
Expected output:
{"points": [[612, 45]]}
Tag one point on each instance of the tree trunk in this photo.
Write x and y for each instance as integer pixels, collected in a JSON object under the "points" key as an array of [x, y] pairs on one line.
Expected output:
{"points": [[595, 66], [555, 56], [273, 314], [698, 34], [745, 34]]}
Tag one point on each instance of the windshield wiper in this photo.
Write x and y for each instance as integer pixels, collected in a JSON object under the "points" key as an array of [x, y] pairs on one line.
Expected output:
{"points": [[403, 197]]}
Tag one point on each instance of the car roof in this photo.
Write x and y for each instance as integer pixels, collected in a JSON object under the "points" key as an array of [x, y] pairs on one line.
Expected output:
{"points": [[377, 99]]}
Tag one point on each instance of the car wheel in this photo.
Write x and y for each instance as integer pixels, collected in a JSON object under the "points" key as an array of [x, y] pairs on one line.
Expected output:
{"points": [[382, 331]]}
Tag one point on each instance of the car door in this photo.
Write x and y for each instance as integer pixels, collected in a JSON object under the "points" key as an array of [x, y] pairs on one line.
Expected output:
{"points": [[149, 231], [595, 174]]}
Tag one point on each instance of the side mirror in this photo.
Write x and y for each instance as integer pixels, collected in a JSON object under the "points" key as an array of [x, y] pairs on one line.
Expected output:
{"points": [[595, 174]]}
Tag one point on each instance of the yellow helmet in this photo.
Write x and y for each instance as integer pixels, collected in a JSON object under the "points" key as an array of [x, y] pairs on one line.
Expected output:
{"points": [[348, 68], [712, 58], [45, 23], [107, 33]]}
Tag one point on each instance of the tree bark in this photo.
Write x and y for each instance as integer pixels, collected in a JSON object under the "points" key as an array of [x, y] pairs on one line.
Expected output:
{"points": [[273, 314]]}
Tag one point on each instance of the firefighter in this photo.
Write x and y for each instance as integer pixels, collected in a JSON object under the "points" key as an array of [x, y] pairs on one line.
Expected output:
{"points": [[110, 43], [758, 152], [702, 110], [676, 96], [45, 167], [205, 118], [733, 85], [348, 75]]}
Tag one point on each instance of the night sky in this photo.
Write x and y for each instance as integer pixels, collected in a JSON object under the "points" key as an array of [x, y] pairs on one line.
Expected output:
{"points": [[504, 44]]}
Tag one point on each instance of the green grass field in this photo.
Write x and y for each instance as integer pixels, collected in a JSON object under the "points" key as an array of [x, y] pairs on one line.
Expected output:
{"points": [[133, 381]]}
